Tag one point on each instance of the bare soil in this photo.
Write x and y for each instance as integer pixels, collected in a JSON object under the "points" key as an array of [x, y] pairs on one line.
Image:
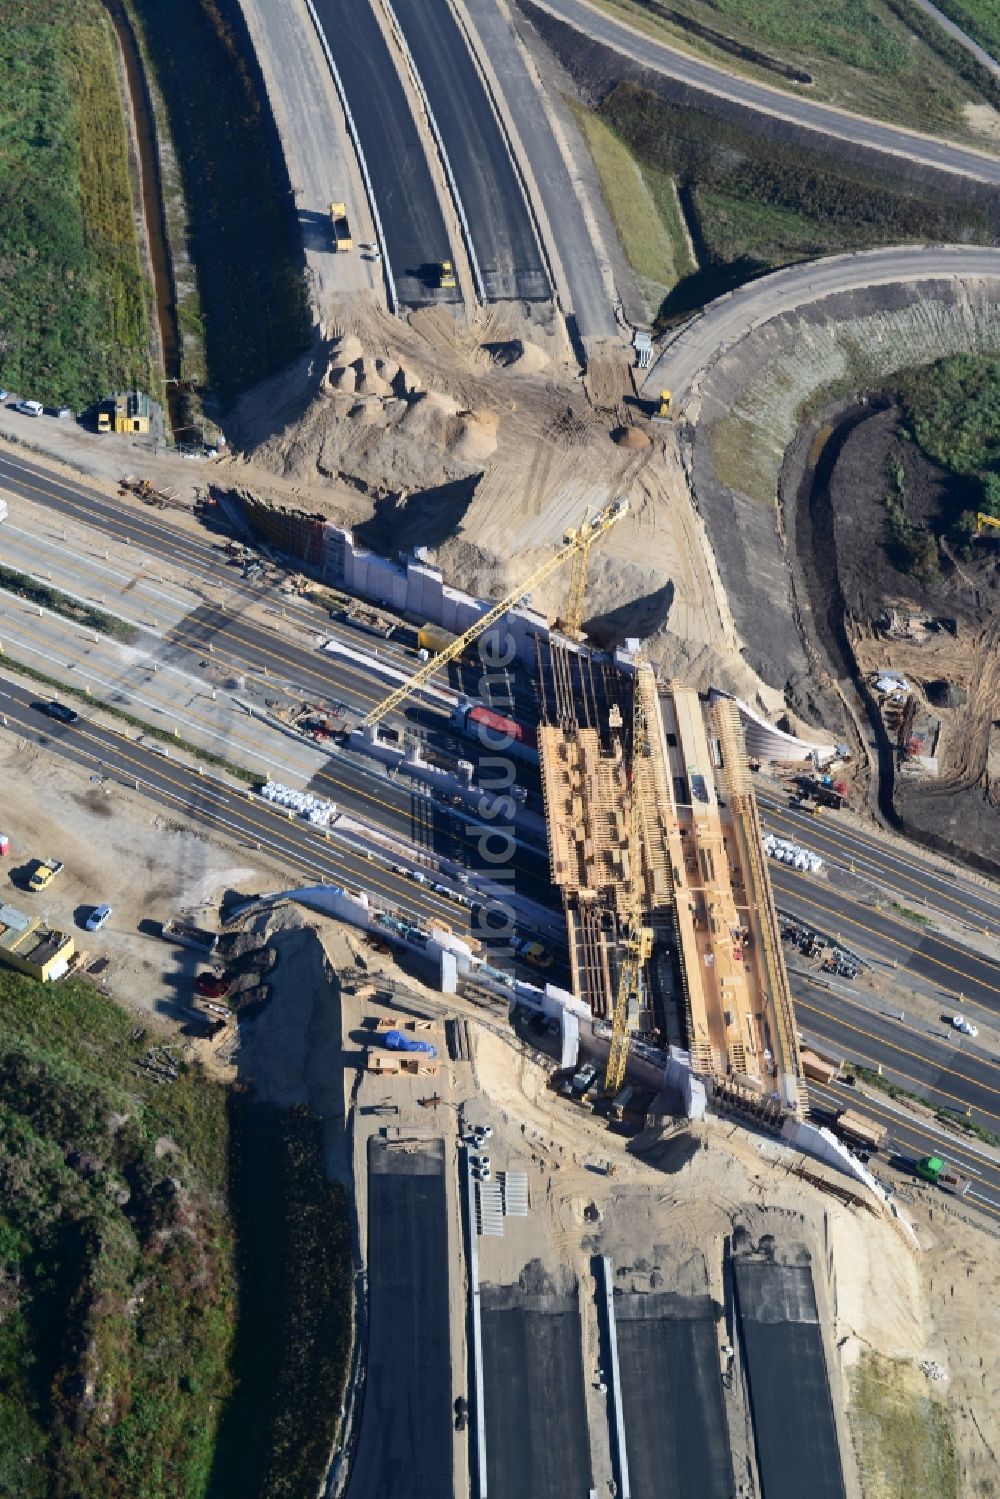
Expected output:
{"points": [[850, 566]]}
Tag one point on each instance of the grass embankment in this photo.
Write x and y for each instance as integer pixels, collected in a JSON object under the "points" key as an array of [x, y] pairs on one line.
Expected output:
{"points": [[980, 19], [754, 204], [881, 58], [243, 235], [903, 1436], [74, 311], [644, 208], [294, 1338], [117, 1284], [175, 1271], [27, 587]]}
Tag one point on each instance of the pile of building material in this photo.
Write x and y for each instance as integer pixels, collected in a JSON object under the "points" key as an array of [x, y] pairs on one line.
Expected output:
{"points": [[314, 809], [791, 853]]}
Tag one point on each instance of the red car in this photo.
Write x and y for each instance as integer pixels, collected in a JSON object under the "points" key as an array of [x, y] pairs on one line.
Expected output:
{"points": [[213, 985]]}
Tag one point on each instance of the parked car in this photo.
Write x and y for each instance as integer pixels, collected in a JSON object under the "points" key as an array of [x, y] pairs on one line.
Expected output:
{"points": [[29, 408], [62, 712], [97, 918], [965, 1026], [213, 985], [4, 394]]}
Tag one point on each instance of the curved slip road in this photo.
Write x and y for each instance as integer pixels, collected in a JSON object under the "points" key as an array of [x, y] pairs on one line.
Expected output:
{"points": [[824, 119], [415, 234], [499, 222], [727, 320]]}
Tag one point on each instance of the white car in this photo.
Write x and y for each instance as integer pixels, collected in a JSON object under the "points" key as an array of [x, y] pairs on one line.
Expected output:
{"points": [[965, 1026], [97, 918], [29, 408]]}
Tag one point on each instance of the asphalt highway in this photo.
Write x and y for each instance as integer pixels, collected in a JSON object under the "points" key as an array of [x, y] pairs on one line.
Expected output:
{"points": [[910, 875], [415, 233], [949, 1069], [589, 304], [724, 322], [961, 976], [203, 801], [911, 1138], [824, 119], [500, 225]]}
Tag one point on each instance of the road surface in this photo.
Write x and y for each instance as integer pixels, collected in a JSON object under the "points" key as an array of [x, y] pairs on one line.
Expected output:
{"points": [[502, 233], [415, 234], [962, 37], [727, 320], [824, 119], [589, 304]]}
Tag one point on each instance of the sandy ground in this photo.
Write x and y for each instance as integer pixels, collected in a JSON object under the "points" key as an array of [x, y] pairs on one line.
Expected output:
{"points": [[660, 1198], [119, 848]]}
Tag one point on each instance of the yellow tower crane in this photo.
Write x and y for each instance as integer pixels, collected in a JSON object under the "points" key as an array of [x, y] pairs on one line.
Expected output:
{"points": [[574, 543], [638, 938]]}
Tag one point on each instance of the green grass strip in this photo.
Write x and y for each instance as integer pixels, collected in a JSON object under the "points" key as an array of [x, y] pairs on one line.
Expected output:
{"points": [[949, 1117], [239, 772], [27, 587]]}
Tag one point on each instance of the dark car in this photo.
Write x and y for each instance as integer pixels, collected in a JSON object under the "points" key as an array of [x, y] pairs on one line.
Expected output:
{"points": [[62, 712]]}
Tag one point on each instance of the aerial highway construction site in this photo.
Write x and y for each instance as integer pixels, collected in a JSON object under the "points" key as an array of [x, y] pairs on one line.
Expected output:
{"points": [[530, 753]]}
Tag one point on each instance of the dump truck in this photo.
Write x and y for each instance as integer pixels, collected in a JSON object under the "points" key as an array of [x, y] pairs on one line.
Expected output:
{"points": [[819, 1069], [434, 639], [858, 1129], [44, 873], [933, 1169], [341, 228]]}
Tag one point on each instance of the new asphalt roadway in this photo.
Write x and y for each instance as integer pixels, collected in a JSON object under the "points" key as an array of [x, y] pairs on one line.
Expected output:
{"points": [[724, 322], [589, 306], [823, 119], [415, 234], [500, 226]]}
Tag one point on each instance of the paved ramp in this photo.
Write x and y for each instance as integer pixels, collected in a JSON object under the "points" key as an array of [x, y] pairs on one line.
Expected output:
{"points": [[405, 1443], [499, 222], [675, 1422], [794, 1426], [537, 1441], [415, 234]]}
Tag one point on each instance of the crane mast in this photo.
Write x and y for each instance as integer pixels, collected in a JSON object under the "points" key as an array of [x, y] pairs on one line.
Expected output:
{"points": [[638, 938], [575, 544]]}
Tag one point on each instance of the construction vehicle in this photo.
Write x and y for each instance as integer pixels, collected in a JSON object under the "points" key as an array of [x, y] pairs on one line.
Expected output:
{"points": [[44, 873], [341, 228], [986, 520], [574, 542], [663, 411], [638, 944], [185, 934], [933, 1169], [446, 276], [858, 1129], [818, 1068], [103, 419]]}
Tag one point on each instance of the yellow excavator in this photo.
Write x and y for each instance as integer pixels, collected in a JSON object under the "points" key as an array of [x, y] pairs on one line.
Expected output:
{"points": [[986, 520], [663, 409]]}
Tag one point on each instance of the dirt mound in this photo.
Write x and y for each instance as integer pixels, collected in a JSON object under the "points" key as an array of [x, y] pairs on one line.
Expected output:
{"points": [[630, 437], [527, 357]]}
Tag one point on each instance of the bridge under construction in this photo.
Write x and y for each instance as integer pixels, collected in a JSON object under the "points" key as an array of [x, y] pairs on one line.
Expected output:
{"points": [[697, 871]]}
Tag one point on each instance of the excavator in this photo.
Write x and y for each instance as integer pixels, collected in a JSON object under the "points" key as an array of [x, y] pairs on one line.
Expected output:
{"points": [[986, 520]]}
